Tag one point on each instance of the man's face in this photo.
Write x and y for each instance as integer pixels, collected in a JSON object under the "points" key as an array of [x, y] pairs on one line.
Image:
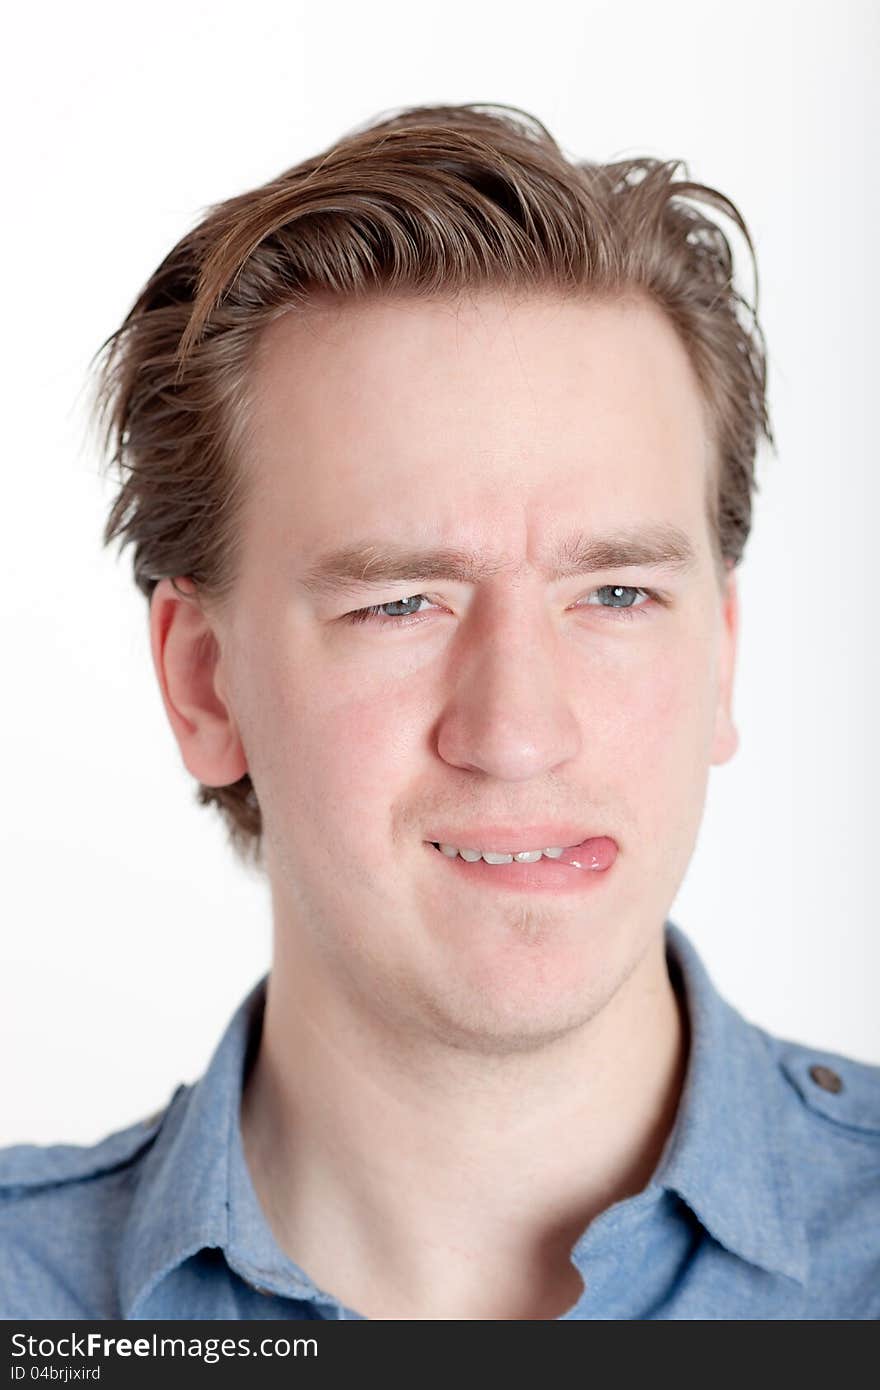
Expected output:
{"points": [[501, 429]]}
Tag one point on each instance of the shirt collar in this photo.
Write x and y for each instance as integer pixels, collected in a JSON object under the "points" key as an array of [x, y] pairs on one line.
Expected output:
{"points": [[727, 1156], [194, 1190], [731, 1150]]}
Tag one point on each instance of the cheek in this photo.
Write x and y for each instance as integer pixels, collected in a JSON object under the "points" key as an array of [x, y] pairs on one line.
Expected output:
{"points": [[336, 752], [658, 739]]}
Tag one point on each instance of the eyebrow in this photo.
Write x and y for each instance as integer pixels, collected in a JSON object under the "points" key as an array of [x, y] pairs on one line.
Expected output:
{"points": [[371, 564]]}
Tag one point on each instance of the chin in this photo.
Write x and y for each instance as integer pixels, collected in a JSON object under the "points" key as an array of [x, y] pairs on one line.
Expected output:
{"points": [[506, 1016], [507, 1037], [527, 982]]}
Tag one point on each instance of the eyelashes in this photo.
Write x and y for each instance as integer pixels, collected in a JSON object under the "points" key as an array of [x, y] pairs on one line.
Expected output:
{"points": [[628, 612]]}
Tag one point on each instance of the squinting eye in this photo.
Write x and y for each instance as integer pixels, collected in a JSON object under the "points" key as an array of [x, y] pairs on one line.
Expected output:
{"points": [[626, 610], [374, 613]]}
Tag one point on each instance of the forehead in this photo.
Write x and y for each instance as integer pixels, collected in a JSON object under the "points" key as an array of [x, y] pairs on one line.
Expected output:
{"points": [[440, 417]]}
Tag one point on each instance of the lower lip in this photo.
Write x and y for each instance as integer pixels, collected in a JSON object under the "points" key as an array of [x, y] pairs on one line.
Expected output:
{"points": [[595, 858]]}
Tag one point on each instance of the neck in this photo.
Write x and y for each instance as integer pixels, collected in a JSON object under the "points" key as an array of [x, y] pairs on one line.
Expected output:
{"points": [[420, 1176]]}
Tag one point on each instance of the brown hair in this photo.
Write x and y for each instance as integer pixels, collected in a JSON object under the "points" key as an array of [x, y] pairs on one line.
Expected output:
{"points": [[428, 202]]}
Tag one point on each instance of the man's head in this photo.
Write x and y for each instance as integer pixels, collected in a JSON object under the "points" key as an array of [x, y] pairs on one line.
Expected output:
{"points": [[442, 336]]}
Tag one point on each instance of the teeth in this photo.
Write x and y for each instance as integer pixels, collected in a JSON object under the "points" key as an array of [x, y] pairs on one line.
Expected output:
{"points": [[525, 856]]}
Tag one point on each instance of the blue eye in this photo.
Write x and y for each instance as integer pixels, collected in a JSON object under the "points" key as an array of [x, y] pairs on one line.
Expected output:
{"points": [[374, 613], [623, 606], [619, 591]]}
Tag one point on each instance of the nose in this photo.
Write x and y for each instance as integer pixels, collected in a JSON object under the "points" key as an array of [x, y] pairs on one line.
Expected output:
{"points": [[508, 713]]}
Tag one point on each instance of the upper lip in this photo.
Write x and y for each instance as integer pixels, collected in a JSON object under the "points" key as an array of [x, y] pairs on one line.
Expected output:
{"points": [[499, 839]]}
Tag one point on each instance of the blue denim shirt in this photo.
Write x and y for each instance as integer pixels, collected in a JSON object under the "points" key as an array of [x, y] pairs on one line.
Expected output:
{"points": [[765, 1203]]}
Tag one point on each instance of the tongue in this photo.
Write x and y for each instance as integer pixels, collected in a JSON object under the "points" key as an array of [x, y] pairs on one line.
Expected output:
{"points": [[597, 853]]}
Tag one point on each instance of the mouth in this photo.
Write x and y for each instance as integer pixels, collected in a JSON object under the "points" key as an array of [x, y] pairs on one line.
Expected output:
{"points": [[574, 868]]}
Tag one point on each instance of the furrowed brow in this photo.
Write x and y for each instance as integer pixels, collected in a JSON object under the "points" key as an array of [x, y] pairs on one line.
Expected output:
{"points": [[372, 564], [661, 546]]}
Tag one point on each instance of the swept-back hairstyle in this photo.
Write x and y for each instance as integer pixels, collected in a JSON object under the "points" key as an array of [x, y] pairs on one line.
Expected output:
{"points": [[430, 201]]}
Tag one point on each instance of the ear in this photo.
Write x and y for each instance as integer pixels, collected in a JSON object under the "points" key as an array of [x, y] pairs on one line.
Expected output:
{"points": [[725, 739], [186, 656]]}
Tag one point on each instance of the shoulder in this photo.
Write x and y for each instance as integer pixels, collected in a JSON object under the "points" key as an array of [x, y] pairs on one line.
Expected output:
{"points": [[834, 1134], [829, 1126], [27, 1169], [839, 1095], [62, 1214]]}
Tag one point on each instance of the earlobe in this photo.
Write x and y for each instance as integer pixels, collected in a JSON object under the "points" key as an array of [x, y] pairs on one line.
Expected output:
{"points": [[185, 657], [725, 739]]}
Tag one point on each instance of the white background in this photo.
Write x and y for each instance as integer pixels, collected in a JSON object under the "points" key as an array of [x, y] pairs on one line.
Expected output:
{"points": [[129, 932]]}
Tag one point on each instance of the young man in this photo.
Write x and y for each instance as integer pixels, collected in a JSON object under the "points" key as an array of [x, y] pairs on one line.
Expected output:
{"points": [[437, 462]]}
